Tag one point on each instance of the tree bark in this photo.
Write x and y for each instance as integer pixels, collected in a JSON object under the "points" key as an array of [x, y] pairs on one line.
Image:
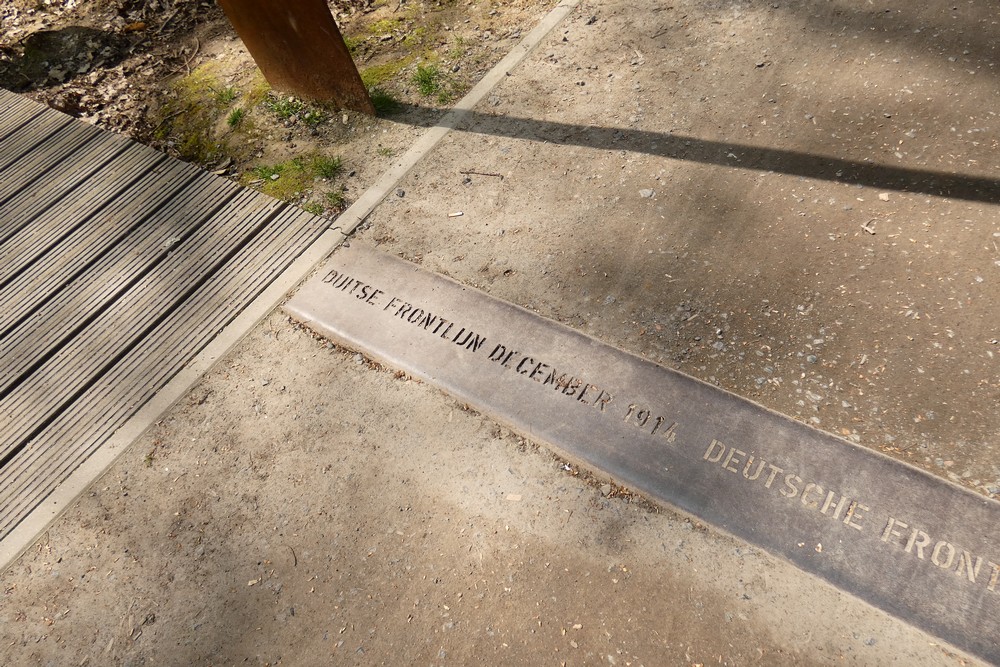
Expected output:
{"points": [[299, 49]]}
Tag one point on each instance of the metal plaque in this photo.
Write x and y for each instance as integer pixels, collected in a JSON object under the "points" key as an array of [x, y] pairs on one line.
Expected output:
{"points": [[908, 542]]}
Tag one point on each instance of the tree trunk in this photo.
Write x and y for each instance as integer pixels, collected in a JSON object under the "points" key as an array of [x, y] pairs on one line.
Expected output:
{"points": [[299, 49]]}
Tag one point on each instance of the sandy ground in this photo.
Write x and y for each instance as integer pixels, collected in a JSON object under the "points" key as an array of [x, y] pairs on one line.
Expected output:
{"points": [[666, 183], [301, 507]]}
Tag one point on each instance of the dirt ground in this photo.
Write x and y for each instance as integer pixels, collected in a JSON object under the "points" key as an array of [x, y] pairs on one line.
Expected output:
{"points": [[793, 200], [175, 76], [666, 182], [302, 508]]}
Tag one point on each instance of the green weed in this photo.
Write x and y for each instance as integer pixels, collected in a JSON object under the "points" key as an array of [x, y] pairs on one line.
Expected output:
{"points": [[458, 48], [226, 96], [335, 199], [325, 167], [236, 117], [269, 171], [286, 108], [313, 117], [427, 78]]}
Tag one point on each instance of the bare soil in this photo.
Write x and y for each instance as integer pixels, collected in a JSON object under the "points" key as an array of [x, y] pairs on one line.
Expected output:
{"points": [[758, 196], [175, 76], [302, 507], [796, 201]]}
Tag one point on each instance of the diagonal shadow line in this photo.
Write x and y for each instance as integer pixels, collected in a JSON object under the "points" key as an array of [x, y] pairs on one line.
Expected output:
{"points": [[709, 151]]}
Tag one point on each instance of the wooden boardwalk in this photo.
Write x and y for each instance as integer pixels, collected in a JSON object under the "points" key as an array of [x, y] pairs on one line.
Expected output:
{"points": [[118, 265]]}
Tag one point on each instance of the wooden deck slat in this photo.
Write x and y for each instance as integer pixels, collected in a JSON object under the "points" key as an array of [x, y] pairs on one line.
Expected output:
{"points": [[39, 397], [117, 265], [16, 112], [133, 381], [13, 107], [12, 120], [16, 103], [90, 258], [97, 289], [18, 144], [47, 229], [69, 175]]}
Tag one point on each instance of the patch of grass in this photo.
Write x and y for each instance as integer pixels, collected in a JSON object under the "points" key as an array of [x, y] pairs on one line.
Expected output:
{"points": [[290, 179], [385, 151], [284, 107], [322, 166], [226, 96], [287, 108], [201, 84], [314, 207], [190, 116], [313, 117], [352, 43], [458, 48], [383, 100], [384, 27], [201, 149], [428, 79], [286, 181], [236, 117], [379, 74], [335, 199], [259, 89], [269, 172], [415, 37]]}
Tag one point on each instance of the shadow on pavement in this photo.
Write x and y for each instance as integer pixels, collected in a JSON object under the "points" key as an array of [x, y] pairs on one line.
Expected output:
{"points": [[708, 151]]}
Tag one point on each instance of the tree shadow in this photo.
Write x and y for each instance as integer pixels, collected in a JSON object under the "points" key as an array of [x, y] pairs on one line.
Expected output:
{"points": [[49, 57], [726, 154]]}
